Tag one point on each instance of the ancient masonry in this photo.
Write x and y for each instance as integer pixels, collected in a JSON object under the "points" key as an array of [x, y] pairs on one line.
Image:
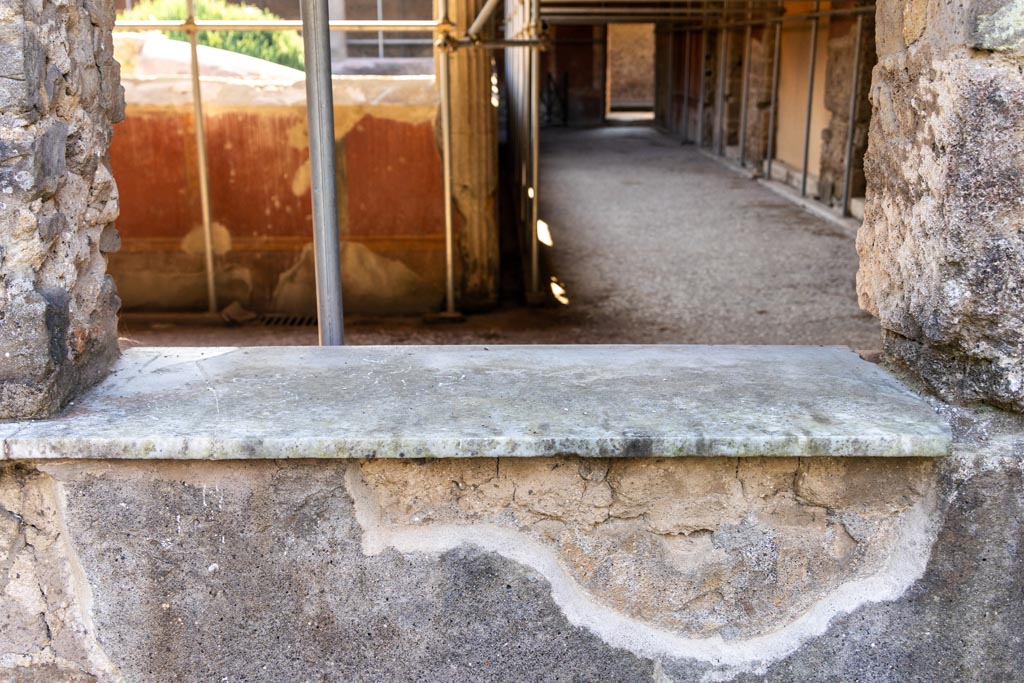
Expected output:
{"points": [[941, 254], [59, 95]]}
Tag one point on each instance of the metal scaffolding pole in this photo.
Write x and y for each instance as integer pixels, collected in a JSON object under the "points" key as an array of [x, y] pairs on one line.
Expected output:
{"points": [[477, 27], [324, 197], [720, 104], [198, 25], [810, 100], [670, 107], [203, 166], [852, 121], [745, 94], [687, 41], [700, 87], [445, 83], [534, 150], [770, 152]]}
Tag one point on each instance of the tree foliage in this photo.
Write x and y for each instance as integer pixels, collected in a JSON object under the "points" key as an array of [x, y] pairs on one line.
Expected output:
{"points": [[280, 47]]}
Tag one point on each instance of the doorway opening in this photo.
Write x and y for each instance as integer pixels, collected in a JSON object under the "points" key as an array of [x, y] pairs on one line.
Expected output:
{"points": [[629, 96]]}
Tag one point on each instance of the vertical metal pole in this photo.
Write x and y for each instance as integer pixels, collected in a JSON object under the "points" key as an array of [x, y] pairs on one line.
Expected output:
{"points": [[810, 100], [446, 153], [852, 121], [534, 148], [744, 95], [201, 161], [380, 34], [720, 117], [324, 195], [700, 87], [445, 83], [670, 108], [686, 85], [770, 152]]}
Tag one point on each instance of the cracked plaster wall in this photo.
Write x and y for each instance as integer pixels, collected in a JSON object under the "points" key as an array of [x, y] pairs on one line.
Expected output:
{"points": [[59, 95], [509, 570]]}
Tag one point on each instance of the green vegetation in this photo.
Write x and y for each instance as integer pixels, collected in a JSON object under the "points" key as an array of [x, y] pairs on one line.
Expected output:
{"points": [[281, 47]]}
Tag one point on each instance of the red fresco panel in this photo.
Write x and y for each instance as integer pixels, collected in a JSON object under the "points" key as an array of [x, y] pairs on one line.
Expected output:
{"points": [[152, 155], [393, 173], [258, 160]]}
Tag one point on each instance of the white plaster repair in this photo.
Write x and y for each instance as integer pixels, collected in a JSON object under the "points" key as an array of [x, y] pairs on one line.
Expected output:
{"points": [[79, 587], [730, 657]]}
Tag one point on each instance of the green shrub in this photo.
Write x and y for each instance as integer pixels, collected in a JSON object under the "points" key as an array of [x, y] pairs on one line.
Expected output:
{"points": [[281, 47]]}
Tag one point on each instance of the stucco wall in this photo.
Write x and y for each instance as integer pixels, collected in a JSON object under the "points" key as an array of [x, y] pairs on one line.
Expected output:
{"points": [[630, 66], [794, 62]]}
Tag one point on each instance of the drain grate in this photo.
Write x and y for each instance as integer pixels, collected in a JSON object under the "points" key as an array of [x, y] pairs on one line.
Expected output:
{"points": [[288, 320]]}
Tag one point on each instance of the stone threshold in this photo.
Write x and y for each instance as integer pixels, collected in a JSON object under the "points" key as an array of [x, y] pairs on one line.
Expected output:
{"points": [[487, 401]]}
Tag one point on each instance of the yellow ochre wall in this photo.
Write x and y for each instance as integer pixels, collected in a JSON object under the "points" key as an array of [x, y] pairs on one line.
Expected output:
{"points": [[793, 73]]}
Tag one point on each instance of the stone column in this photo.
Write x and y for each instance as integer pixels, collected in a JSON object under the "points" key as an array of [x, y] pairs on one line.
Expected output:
{"points": [[474, 167], [59, 94], [942, 245]]}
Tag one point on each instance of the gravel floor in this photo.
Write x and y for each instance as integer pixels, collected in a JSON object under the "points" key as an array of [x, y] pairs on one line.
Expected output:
{"points": [[654, 243]]}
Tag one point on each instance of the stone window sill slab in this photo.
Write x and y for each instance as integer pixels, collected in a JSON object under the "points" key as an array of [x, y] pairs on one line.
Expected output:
{"points": [[496, 401]]}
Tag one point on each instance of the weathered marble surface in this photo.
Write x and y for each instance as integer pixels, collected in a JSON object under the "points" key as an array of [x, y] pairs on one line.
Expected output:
{"points": [[506, 401]]}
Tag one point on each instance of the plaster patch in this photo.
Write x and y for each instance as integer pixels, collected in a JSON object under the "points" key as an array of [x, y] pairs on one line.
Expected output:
{"points": [[901, 569]]}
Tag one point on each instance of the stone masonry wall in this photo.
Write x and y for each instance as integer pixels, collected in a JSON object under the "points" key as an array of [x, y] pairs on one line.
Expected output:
{"points": [[59, 95], [942, 245]]}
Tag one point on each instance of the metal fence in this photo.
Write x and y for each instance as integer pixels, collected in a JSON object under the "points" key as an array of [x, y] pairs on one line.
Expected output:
{"points": [[714, 29]]}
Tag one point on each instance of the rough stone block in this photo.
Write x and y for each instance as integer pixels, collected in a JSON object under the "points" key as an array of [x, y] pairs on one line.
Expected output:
{"points": [[942, 260], [998, 25], [58, 93]]}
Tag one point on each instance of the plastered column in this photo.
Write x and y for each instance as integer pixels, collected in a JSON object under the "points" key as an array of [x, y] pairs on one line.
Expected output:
{"points": [[942, 245], [59, 95], [474, 167]]}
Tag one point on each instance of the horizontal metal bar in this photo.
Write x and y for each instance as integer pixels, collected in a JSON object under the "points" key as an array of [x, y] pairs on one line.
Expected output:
{"points": [[500, 43], [390, 41], [279, 25], [664, 11], [662, 4], [588, 19], [642, 15], [804, 16]]}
